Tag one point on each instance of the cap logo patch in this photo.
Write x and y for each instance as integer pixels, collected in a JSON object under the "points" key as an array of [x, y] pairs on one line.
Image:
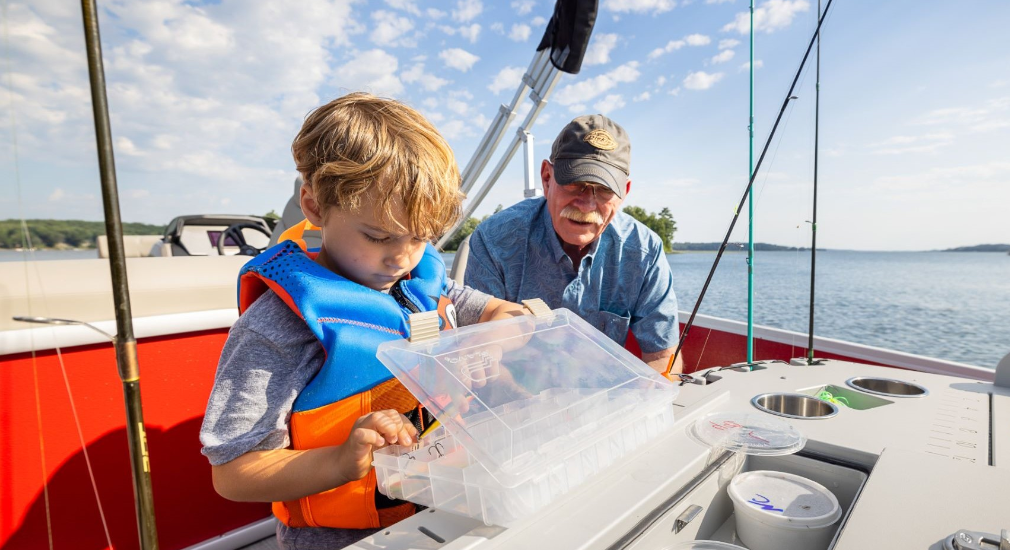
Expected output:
{"points": [[601, 139]]}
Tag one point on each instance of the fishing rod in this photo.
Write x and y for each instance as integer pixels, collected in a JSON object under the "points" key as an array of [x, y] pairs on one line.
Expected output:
{"points": [[813, 222], [126, 343], [750, 202], [747, 191]]}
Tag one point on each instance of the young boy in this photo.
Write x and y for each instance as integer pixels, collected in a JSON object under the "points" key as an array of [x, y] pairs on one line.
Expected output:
{"points": [[299, 400]]}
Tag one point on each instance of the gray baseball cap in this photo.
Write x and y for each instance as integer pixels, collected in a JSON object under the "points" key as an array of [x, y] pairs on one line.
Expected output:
{"points": [[595, 149]]}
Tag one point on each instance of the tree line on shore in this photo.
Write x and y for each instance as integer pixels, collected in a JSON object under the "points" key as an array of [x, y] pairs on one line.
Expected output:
{"points": [[82, 234], [662, 223], [63, 233]]}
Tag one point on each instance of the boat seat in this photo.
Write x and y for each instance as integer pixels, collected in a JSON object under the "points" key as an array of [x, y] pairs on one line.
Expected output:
{"points": [[458, 269], [292, 216], [82, 289], [134, 246]]}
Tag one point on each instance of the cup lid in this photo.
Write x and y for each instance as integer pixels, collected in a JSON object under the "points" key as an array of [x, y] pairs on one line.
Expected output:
{"points": [[705, 545], [747, 433], [784, 499]]}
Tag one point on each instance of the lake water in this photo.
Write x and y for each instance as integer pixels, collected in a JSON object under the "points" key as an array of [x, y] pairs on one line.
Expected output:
{"points": [[953, 306]]}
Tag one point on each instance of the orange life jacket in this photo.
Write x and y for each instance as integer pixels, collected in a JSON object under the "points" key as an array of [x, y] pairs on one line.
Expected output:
{"points": [[350, 321]]}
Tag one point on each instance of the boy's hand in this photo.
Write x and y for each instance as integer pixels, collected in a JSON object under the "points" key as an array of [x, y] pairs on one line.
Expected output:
{"points": [[373, 431]]}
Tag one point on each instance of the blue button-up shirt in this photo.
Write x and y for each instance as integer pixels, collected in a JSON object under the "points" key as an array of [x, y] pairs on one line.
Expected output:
{"points": [[623, 282]]}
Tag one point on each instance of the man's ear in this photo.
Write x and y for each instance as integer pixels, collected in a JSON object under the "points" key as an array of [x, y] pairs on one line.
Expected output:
{"points": [[310, 208], [546, 174], [628, 189]]}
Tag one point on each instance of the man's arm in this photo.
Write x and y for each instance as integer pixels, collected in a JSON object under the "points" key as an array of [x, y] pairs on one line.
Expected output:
{"points": [[654, 319], [660, 359]]}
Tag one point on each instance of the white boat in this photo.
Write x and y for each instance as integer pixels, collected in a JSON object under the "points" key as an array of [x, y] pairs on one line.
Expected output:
{"points": [[921, 453]]}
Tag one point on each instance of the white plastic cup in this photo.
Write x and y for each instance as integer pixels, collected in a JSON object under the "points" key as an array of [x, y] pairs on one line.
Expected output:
{"points": [[781, 511]]}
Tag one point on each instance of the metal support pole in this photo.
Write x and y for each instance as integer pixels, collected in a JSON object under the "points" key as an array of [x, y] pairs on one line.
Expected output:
{"points": [[529, 167], [126, 344]]}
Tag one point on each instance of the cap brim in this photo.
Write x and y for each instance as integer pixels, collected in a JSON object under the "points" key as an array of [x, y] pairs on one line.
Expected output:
{"points": [[591, 171]]}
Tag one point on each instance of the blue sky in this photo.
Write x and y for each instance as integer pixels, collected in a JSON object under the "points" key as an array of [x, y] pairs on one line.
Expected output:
{"points": [[206, 97]]}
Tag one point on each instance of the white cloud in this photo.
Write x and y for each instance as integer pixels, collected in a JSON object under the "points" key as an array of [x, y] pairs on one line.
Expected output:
{"points": [[125, 146], [757, 65], [389, 28], [467, 10], [984, 178], [610, 104], [675, 91], [470, 32], [523, 7], [585, 90], [599, 49], [660, 80], [728, 43], [458, 59], [771, 16], [644, 96], [507, 79], [723, 56], [404, 5], [427, 81], [57, 194], [497, 28], [639, 6], [520, 33], [673, 45], [372, 70], [538, 21], [991, 115], [670, 46], [697, 40], [139, 193], [434, 13], [899, 145], [701, 80], [717, 1], [226, 79]]}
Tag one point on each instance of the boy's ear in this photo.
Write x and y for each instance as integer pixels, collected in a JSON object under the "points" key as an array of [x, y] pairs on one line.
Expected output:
{"points": [[310, 208]]}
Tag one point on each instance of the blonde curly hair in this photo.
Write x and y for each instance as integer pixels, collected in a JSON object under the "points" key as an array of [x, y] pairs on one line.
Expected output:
{"points": [[360, 143]]}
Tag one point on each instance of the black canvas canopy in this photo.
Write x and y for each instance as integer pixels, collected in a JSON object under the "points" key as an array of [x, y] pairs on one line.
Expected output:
{"points": [[568, 33]]}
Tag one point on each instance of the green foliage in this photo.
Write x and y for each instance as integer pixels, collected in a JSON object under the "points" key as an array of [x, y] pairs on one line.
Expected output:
{"points": [[468, 226], [464, 231], [662, 223], [272, 217], [64, 233]]}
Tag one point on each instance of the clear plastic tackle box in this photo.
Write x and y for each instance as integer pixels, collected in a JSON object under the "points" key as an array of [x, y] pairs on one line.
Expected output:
{"points": [[528, 409]]}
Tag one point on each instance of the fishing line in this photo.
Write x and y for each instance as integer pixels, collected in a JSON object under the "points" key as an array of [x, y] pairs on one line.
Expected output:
{"points": [[26, 248], [743, 199], [29, 252]]}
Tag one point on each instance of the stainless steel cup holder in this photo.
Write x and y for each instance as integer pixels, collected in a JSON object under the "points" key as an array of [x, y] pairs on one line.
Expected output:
{"points": [[886, 386], [794, 405]]}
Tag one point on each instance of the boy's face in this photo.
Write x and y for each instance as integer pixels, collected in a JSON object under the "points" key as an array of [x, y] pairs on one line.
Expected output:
{"points": [[356, 246]]}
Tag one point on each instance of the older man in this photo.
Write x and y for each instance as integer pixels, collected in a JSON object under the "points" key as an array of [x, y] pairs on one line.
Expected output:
{"points": [[574, 248]]}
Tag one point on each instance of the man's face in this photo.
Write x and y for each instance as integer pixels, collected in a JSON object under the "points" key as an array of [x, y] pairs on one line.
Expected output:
{"points": [[357, 247], [579, 215]]}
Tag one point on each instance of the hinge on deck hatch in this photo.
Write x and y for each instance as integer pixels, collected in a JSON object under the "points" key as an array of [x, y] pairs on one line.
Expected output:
{"points": [[975, 540]]}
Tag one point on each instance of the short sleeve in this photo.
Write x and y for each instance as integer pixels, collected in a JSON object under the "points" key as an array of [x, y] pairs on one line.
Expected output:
{"points": [[654, 320], [269, 357], [469, 303]]}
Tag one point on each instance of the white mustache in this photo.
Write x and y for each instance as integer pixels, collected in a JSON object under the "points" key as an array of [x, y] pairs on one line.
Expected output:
{"points": [[577, 215]]}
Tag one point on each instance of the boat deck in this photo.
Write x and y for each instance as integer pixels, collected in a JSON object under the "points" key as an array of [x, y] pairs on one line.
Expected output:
{"points": [[934, 465]]}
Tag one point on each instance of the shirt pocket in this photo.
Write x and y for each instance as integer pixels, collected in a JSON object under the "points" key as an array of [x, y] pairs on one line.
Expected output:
{"points": [[614, 326]]}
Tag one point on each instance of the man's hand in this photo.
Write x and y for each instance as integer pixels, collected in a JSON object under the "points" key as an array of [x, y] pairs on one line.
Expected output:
{"points": [[372, 431]]}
